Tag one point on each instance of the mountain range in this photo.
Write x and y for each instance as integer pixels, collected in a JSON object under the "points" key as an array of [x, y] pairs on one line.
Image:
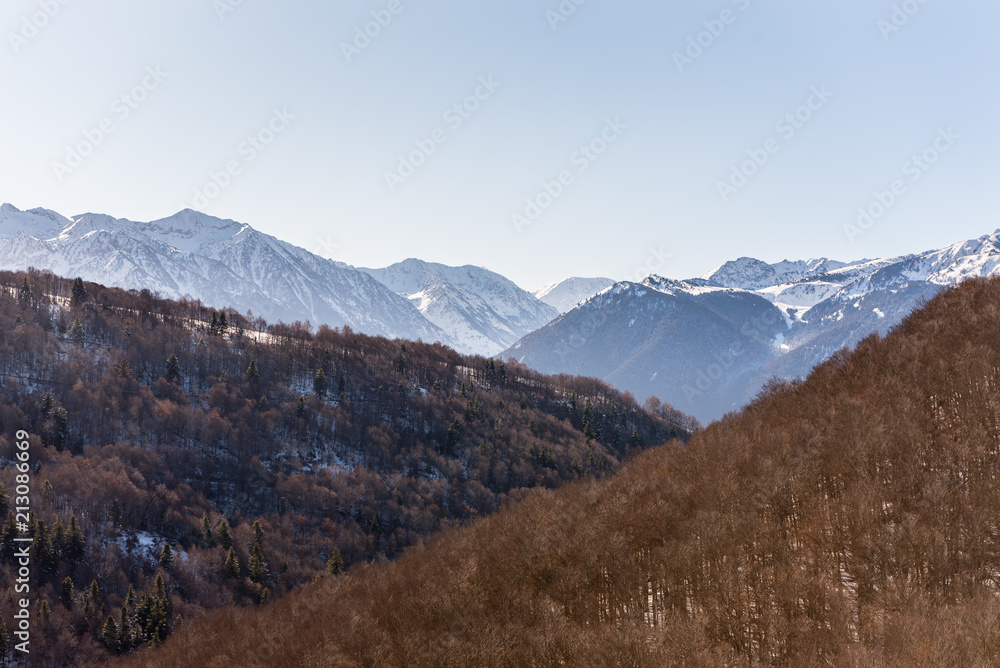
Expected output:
{"points": [[705, 345], [708, 345]]}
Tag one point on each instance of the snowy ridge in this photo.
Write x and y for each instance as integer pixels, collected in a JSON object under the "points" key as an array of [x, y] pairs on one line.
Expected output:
{"points": [[707, 345], [482, 311], [564, 295], [221, 262]]}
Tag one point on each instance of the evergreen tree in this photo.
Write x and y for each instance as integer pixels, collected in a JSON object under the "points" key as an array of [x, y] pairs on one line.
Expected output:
{"points": [[130, 597], [161, 588], [231, 569], [75, 544], [213, 326], [206, 531], [257, 566], [166, 557], [124, 370], [44, 615], [77, 333], [335, 564], [24, 293], [48, 403], [124, 630], [79, 293], [258, 532], [109, 634], [265, 596], [225, 538], [93, 597], [223, 324], [68, 592], [253, 374], [173, 372], [4, 501], [319, 383]]}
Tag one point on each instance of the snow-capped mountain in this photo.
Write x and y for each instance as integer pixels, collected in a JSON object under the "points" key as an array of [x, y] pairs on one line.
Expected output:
{"points": [[648, 338], [748, 273], [481, 311], [221, 262], [564, 295]]}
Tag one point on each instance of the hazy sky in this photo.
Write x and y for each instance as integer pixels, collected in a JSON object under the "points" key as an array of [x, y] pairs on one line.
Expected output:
{"points": [[664, 119]]}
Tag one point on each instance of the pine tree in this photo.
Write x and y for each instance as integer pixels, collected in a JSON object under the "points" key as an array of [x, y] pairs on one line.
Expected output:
{"points": [[225, 538], [231, 569], [75, 543], [258, 532], [130, 597], [265, 596], [24, 293], [109, 634], [213, 326], [124, 370], [161, 588], [77, 333], [206, 531], [253, 374], [166, 557], [48, 403], [319, 383], [223, 324], [173, 371], [335, 564], [44, 614], [93, 597], [124, 630], [79, 293], [257, 566], [68, 592]]}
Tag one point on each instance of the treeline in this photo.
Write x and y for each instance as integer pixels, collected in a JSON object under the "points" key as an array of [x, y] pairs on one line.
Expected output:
{"points": [[849, 520], [209, 459]]}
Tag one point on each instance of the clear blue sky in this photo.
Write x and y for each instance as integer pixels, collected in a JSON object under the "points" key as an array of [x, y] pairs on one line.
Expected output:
{"points": [[321, 183]]}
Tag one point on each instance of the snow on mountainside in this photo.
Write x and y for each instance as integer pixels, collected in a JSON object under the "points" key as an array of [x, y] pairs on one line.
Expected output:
{"points": [[564, 295], [221, 262], [748, 273], [703, 364], [482, 311]]}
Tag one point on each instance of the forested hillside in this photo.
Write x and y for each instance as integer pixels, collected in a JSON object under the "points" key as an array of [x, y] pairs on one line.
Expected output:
{"points": [[184, 459], [849, 520]]}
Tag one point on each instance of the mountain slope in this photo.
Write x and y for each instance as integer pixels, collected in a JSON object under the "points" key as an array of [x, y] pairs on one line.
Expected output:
{"points": [[221, 262], [660, 337], [565, 294], [849, 520], [481, 311], [149, 424], [820, 306]]}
